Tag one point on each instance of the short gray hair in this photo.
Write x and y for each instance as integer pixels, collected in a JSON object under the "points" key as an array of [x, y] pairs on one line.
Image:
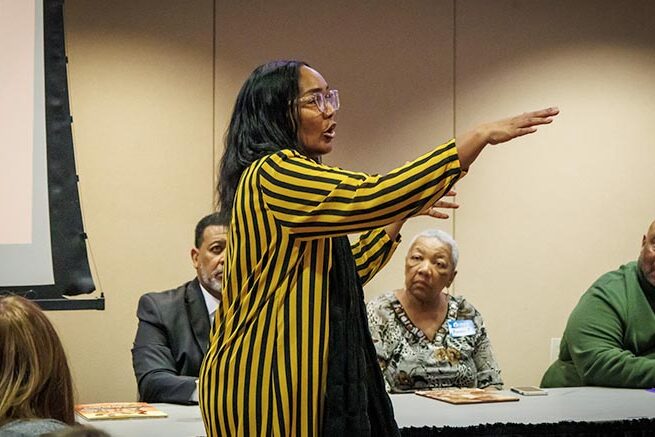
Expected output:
{"points": [[445, 238]]}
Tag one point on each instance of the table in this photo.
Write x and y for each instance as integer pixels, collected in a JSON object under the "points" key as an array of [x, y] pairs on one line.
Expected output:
{"points": [[418, 415], [564, 411], [575, 404]]}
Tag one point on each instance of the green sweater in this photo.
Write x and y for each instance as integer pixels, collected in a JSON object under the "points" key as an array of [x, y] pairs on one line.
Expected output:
{"points": [[609, 339]]}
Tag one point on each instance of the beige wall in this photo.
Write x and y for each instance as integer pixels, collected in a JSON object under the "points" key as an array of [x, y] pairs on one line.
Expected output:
{"points": [[140, 77], [543, 217], [540, 218]]}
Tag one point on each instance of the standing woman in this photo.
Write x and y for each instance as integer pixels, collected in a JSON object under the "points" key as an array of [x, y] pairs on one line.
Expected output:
{"points": [[291, 353]]}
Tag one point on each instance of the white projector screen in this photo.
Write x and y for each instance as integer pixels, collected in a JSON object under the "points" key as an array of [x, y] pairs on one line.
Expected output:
{"points": [[25, 249]]}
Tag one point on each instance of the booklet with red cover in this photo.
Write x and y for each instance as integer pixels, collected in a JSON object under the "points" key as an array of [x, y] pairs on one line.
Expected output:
{"points": [[118, 410]]}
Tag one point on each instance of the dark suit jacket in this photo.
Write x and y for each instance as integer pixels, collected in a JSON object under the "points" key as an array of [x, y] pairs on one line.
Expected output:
{"points": [[170, 343]]}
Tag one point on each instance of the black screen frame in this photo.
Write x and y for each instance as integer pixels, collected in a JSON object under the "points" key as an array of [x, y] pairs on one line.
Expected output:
{"points": [[72, 275]]}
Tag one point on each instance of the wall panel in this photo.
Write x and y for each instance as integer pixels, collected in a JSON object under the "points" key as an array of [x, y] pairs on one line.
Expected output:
{"points": [[140, 77], [544, 216], [392, 65]]}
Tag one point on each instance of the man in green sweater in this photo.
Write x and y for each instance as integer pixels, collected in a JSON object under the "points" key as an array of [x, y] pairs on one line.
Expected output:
{"points": [[609, 339]]}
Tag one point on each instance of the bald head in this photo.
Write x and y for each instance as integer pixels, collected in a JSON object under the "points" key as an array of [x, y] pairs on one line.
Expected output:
{"points": [[647, 255], [651, 228]]}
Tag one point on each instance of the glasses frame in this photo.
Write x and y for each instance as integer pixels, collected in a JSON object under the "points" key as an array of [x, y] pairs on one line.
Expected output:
{"points": [[321, 100]]}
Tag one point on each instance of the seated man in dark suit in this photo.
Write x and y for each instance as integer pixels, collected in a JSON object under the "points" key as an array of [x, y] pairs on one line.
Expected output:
{"points": [[610, 336], [174, 325]]}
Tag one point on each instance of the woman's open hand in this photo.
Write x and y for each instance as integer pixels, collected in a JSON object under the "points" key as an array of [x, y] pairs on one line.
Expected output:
{"points": [[504, 130], [433, 211], [470, 144]]}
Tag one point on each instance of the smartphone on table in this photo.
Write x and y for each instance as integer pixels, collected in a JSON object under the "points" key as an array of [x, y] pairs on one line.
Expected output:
{"points": [[529, 391]]}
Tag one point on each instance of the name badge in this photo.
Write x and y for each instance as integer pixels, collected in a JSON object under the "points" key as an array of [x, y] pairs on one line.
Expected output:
{"points": [[461, 328]]}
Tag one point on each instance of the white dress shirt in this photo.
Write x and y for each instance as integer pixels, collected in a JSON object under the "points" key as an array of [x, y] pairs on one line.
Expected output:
{"points": [[212, 303]]}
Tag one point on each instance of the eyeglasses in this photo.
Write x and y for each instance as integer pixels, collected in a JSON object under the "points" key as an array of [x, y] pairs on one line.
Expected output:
{"points": [[322, 100]]}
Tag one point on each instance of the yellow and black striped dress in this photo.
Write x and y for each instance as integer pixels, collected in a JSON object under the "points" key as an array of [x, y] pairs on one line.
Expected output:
{"points": [[266, 368]]}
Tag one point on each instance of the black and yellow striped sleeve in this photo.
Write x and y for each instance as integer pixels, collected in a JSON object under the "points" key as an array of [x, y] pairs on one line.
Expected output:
{"points": [[372, 251], [313, 200]]}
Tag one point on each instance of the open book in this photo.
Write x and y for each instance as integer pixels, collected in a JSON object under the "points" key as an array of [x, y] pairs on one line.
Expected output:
{"points": [[466, 395], [118, 410]]}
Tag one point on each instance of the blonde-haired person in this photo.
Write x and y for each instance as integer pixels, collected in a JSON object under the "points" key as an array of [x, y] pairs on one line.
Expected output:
{"points": [[36, 389]]}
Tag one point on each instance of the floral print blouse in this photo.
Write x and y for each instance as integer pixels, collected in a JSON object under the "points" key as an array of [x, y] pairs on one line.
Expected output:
{"points": [[410, 361]]}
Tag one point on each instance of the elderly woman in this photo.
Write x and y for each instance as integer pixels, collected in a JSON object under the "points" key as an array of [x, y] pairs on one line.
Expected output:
{"points": [[425, 337]]}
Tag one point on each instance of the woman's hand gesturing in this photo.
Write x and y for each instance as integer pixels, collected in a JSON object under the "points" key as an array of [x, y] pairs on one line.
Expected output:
{"points": [[470, 144], [433, 211], [504, 130]]}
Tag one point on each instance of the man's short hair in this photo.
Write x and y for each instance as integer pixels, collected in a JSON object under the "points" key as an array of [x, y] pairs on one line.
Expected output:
{"points": [[213, 219], [445, 238]]}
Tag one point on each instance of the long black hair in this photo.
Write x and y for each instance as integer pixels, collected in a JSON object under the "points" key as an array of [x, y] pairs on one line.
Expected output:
{"points": [[264, 120]]}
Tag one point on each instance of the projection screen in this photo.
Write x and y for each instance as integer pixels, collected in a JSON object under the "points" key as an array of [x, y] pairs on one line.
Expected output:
{"points": [[42, 240]]}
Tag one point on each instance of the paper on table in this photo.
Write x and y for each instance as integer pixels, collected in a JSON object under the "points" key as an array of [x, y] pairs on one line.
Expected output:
{"points": [[118, 410], [466, 396]]}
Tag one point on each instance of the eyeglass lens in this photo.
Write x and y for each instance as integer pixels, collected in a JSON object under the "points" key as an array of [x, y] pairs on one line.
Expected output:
{"points": [[332, 97]]}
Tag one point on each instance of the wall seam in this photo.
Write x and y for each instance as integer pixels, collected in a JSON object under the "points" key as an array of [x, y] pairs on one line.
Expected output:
{"points": [[454, 73], [214, 191]]}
